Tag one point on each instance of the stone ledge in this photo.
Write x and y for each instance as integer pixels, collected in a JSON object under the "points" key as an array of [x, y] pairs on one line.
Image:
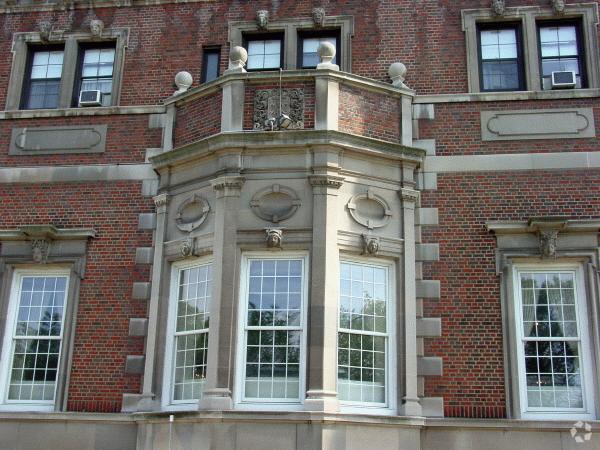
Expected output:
{"points": [[144, 255], [429, 327], [138, 327], [78, 112], [433, 406], [134, 364], [428, 289], [429, 366], [147, 221], [426, 216], [427, 252], [507, 96], [141, 290]]}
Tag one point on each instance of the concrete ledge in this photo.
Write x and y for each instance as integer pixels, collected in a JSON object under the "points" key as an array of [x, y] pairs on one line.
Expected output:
{"points": [[429, 327], [433, 406], [144, 255], [426, 216], [429, 366], [62, 174], [147, 221], [138, 327], [134, 364], [78, 112], [428, 289], [150, 152], [141, 290], [427, 252]]}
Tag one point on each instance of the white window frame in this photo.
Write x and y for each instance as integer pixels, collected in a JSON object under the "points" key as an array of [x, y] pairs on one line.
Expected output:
{"points": [[587, 412], [391, 369], [6, 356], [240, 376], [167, 401]]}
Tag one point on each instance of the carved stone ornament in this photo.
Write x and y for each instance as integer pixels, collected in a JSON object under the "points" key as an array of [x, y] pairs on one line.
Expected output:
{"points": [[548, 240], [369, 210], [40, 248], [370, 245], [275, 203], [318, 15], [558, 6], [96, 28], [187, 247], [262, 18], [274, 237], [266, 106], [498, 7], [45, 29], [192, 213]]}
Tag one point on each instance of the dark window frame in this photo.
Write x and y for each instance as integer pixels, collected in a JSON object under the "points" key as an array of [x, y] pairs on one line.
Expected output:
{"points": [[580, 47], [31, 50], [517, 26], [249, 37], [216, 49], [81, 48], [308, 34]]}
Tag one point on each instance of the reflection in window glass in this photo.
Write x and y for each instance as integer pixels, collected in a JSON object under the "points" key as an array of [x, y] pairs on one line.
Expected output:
{"points": [[551, 341], [363, 333], [273, 329], [264, 54], [499, 59], [559, 52], [46, 70]]}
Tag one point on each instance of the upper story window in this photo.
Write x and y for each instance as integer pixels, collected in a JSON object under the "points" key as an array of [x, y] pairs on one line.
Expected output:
{"points": [[500, 58], [265, 52], [33, 340], [96, 73], [560, 51], [43, 84], [210, 64], [308, 43]]}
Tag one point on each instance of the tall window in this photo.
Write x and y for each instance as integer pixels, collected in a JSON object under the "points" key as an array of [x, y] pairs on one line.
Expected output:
{"points": [[552, 343], [363, 334], [190, 332], [44, 79], [308, 44], [273, 329], [33, 339], [265, 52], [500, 58], [97, 72], [210, 64], [560, 51]]}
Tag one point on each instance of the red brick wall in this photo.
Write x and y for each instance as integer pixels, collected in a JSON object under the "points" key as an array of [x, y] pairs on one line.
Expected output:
{"points": [[369, 114], [198, 119], [127, 138], [97, 380], [471, 343]]}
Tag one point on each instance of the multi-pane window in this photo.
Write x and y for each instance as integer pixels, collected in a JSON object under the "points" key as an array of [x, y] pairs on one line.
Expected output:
{"points": [[309, 58], [194, 286], [363, 333], [500, 60], [210, 64], [33, 340], [264, 54], [97, 72], [44, 79], [551, 338], [559, 51], [273, 336]]}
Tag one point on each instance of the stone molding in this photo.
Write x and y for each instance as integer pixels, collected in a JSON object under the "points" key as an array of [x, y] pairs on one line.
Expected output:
{"points": [[228, 186], [275, 203], [507, 96], [48, 232], [82, 112], [266, 106], [326, 181], [193, 223], [58, 139], [357, 211]]}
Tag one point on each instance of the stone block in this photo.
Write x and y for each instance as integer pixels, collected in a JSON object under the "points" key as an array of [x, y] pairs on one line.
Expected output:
{"points": [[147, 221], [141, 290], [144, 255], [138, 327], [156, 120], [426, 216], [429, 366], [134, 364], [428, 289], [427, 252], [150, 188], [423, 111], [429, 327], [433, 406], [425, 144]]}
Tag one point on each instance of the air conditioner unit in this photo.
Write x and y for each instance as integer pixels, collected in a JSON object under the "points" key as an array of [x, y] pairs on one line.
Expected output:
{"points": [[90, 98], [563, 80]]}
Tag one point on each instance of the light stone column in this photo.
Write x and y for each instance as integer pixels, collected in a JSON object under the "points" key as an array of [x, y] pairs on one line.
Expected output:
{"points": [[409, 402], [232, 109], [221, 337], [322, 374], [161, 201], [67, 81]]}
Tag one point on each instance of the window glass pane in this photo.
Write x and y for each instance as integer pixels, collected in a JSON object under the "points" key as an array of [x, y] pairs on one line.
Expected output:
{"points": [[272, 61], [362, 339], [107, 55], [501, 75], [310, 57], [273, 346], [507, 37], [272, 47], [91, 57], [549, 49], [256, 48], [41, 58], [255, 62], [191, 332], [264, 54], [97, 71], [211, 59]]}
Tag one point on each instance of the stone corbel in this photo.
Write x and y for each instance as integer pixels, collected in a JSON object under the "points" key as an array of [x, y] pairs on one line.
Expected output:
{"points": [[370, 245], [547, 229], [40, 249], [274, 237]]}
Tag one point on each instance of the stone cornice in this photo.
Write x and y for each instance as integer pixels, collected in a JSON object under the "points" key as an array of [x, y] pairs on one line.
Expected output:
{"points": [[77, 112], [279, 139], [50, 232], [507, 96], [536, 224], [68, 5]]}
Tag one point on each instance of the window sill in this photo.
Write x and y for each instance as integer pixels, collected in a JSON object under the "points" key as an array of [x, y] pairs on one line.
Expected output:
{"points": [[79, 112], [508, 96]]}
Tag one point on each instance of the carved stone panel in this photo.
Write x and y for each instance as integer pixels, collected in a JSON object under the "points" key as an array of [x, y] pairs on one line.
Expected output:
{"points": [[266, 106], [192, 213], [369, 210], [59, 139], [275, 203]]}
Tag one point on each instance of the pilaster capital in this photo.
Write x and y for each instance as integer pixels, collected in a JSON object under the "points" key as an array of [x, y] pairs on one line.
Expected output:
{"points": [[161, 201], [410, 197], [326, 181], [228, 186]]}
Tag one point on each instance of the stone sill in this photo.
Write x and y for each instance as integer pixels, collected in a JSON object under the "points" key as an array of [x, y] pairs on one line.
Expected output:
{"points": [[508, 96], [79, 112]]}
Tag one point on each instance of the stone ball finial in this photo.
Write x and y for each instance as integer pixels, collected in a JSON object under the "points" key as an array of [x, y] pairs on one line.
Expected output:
{"points": [[237, 59], [183, 81], [397, 73], [326, 52]]}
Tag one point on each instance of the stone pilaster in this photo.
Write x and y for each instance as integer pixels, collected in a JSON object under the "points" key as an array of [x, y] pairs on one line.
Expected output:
{"points": [[322, 375], [221, 338], [407, 344]]}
